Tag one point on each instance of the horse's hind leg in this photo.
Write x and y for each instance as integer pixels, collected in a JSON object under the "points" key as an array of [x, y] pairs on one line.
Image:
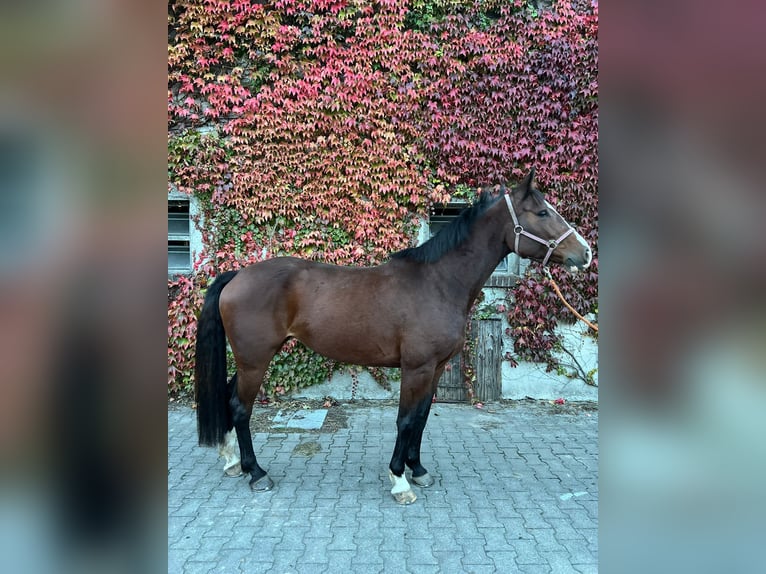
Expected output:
{"points": [[229, 450], [248, 383]]}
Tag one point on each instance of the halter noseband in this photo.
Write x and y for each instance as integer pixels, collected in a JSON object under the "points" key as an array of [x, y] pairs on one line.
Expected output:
{"points": [[519, 230]]}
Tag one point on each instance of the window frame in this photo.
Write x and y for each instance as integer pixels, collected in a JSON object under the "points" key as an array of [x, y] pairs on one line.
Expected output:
{"points": [[180, 241]]}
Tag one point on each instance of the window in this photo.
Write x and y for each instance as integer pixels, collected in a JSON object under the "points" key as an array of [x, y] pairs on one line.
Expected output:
{"points": [[179, 236]]}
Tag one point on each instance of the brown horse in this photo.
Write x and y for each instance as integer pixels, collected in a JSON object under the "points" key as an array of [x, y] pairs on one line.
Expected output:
{"points": [[409, 312]]}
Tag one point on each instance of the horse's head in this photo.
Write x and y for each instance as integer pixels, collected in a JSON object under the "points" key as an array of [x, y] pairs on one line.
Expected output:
{"points": [[536, 230]]}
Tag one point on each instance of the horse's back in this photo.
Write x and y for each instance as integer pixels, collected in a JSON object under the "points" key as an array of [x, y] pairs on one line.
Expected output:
{"points": [[291, 276]]}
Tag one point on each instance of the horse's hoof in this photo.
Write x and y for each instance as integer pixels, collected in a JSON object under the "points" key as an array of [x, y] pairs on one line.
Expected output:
{"points": [[401, 490], [406, 497], [262, 484], [424, 480], [234, 470]]}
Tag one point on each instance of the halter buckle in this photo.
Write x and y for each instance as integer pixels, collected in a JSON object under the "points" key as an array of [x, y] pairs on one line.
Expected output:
{"points": [[518, 229]]}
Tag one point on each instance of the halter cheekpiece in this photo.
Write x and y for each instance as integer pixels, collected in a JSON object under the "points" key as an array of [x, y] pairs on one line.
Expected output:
{"points": [[552, 244]]}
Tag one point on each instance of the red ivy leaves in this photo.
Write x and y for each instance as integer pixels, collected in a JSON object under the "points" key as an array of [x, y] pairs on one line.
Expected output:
{"points": [[185, 300], [535, 310], [334, 121], [330, 134]]}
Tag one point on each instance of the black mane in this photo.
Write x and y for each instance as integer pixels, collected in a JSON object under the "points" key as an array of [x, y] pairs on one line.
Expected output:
{"points": [[451, 236]]}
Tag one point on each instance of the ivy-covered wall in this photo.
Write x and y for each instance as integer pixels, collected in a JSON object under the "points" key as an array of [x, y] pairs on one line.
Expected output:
{"points": [[326, 128]]}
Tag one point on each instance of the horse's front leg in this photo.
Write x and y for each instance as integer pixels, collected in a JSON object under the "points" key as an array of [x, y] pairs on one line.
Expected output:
{"points": [[420, 475], [414, 406]]}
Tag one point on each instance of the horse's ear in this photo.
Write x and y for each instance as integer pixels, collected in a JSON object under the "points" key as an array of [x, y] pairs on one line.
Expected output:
{"points": [[526, 185]]}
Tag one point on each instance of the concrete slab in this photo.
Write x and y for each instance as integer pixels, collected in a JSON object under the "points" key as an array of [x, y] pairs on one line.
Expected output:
{"points": [[309, 419]]}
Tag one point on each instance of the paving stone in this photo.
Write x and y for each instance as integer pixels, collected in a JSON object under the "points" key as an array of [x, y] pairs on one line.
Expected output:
{"points": [[420, 553], [238, 561], [494, 538], [527, 552], [196, 567], [533, 569], [580, 553], [488, 568], [560, 562], [496, 505], [504, 560], [564, 530], [395, 561], [475, 554], [546, 541], [449, 561]]}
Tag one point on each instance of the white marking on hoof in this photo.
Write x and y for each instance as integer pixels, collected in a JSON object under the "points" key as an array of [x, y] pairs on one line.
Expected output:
{"points": [[423, 481], [401, 491], [407, 497], [233, 471], [229, 450]]}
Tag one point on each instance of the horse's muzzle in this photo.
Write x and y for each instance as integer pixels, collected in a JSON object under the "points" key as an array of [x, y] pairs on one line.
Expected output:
{"points": [[582, 262]]}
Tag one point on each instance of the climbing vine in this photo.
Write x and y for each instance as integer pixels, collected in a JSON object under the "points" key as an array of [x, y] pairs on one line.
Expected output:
{"points": [[534, 312], [324, 128]]}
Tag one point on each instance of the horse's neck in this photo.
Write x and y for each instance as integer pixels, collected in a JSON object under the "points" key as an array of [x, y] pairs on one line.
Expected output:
{"points": [[467, 268]]}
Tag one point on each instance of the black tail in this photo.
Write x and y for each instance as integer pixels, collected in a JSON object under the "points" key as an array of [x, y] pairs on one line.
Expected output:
{"points": [[211, 392]]}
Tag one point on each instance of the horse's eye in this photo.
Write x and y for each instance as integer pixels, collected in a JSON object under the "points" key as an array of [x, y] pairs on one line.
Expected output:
{"points": [[543, 213]]}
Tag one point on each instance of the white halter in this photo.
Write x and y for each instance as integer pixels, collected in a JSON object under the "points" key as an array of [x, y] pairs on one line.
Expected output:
{"points": [[519, 230]]}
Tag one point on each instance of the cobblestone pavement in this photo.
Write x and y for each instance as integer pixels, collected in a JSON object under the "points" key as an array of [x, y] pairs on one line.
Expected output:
{"points": [[516, 491]]}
